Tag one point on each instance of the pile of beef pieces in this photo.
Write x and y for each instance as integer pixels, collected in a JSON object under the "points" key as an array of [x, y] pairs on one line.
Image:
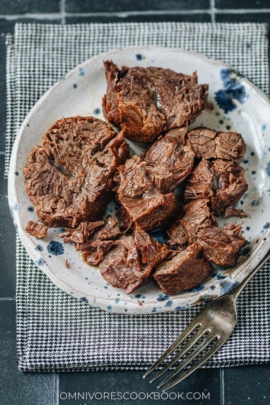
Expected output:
{"points": [[84, 163]]}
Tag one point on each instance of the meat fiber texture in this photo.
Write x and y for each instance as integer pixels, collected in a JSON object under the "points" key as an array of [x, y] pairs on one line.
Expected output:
{"points": [[146, 102], [141, 202], [222, 181], [70, 178], [185, 270], [93, 239], [130, 262], [209, 144]]}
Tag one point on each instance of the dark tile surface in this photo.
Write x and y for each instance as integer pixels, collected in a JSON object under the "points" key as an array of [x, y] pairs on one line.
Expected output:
{"points": [[247, 17], [205, 383], [244, 4], [202, 17], [247, 385], [7, 242], [17, 387], [81, 6], [29, 6]]}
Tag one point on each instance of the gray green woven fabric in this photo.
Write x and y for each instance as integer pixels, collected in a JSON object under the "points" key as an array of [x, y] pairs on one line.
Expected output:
{"points": [[56, 332]]}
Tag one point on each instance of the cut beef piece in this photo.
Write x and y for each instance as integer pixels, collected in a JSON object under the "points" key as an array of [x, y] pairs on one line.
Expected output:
{"points": [[144, 102], [131, 261], [93, 239], [222, 181], [171, 160], [208, 144], [70, 179], [201, 182], [222, 246], [233, 212], [231, 185], [194, 216], [187, 269], [36, 229], [142, 203]]}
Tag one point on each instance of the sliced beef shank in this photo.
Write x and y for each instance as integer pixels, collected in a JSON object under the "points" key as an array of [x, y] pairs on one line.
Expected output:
{"points": [[187, 269], [194, 216], [93, 239], [70, 179], [145, 102], [222, 246], [142, 203], [131, 261], [207, 144], [222, 181], [171, 160]]}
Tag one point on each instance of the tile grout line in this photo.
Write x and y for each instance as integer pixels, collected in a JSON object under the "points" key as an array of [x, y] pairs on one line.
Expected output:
{"points": [[62, 11], [222, 398], [56, 389], [212, 7]]}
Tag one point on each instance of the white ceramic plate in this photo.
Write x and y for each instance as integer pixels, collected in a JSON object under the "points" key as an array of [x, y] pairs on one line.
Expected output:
{"points": [[238, 106]]}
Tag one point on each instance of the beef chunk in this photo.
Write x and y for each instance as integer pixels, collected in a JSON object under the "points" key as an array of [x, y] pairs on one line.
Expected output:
{"points": [[93, 239], [36, 229], [129, 264], [194, 216], [142, 203], [222, 246], [144, 102], [208, 144], [70, 179], [201, 182], [233, 212], [222, 181], [171, 160], [230, 187], [187, 269]]}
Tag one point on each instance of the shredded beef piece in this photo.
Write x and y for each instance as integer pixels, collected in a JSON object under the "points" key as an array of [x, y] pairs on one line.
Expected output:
{"points": [[207, 144], [142, 203], [131, 261], [233, 212], [171, 160], [36, 229], [222, 246], [222, 181], [194, 216], [145, 102], [187, 269], [70, 179], [93, 239]]}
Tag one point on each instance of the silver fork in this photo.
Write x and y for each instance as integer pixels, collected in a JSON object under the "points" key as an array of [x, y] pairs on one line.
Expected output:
{"points": [[214, 324]]}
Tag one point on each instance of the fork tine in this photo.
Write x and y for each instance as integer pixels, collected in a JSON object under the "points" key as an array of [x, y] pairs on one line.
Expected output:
{"points": [[188, 346], [192, 356], [203, 359], [190, 328]]}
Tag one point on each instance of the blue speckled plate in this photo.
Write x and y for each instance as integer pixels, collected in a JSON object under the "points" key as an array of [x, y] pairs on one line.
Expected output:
{"points": [[238, 106]]}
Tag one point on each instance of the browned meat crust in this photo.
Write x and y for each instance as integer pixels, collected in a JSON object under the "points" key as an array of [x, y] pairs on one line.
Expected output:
{"points": [[131, 261], [222, 246], [142, 203], [222, 181], [187, 269], [207, 144], [171, 160], [93, 239], [233, 212], [70, 178], [194, 216], [36, 229], [144, 102]]}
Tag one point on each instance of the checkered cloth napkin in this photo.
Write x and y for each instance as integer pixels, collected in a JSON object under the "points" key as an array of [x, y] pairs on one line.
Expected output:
{"points": [[55, 332]]}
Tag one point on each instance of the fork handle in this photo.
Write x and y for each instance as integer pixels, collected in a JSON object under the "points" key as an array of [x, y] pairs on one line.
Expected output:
{"points": [[238, 289]]}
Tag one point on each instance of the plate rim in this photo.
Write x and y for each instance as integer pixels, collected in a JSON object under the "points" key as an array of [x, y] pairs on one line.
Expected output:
{"points": [[103, 302]]}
